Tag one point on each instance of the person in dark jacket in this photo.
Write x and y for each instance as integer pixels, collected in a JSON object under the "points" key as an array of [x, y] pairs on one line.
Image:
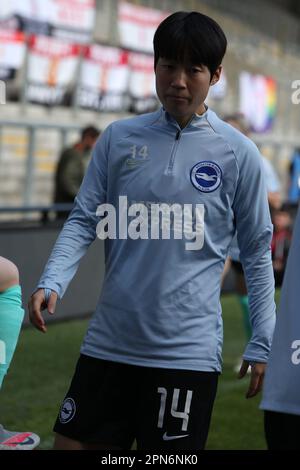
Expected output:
{"points": [[71, 167]]}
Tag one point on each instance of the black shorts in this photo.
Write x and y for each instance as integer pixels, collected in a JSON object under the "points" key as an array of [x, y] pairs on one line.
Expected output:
{"points": [[282, 430], [112, 404]]}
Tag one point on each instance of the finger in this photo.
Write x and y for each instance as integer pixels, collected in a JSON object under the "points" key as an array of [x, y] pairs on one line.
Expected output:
{"points": [[35, 315], [255, 384], [243, 369], [258, 386], [37, 320], [52, 303]]}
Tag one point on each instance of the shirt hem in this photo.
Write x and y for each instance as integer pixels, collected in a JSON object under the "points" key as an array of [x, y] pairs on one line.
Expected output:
{"points": [[280, 408], [170, 364]]}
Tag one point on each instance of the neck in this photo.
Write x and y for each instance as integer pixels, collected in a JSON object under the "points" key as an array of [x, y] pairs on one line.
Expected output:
{"points": [[183, 122], [201, 110]]}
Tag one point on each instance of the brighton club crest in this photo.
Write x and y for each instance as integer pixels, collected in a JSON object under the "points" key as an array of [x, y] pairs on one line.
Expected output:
{"points": [[206, 176]]}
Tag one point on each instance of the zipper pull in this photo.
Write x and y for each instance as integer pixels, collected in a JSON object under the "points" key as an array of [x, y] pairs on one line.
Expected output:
{"points": [[178, 134]]}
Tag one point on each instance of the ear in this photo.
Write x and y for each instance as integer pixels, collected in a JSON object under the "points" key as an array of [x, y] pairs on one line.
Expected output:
{"points": [[216, 76]]}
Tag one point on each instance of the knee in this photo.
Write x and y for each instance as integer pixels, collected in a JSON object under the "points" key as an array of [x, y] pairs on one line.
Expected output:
{"points": [[65, 443], [9, 274]]}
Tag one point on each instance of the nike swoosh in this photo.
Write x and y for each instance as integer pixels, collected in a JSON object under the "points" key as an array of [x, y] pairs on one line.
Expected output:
{"points": [[170, 438], [28, 441]]}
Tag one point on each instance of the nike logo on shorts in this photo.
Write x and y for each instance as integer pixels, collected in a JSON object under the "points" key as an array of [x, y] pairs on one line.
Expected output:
{"points": [[170, 438]]}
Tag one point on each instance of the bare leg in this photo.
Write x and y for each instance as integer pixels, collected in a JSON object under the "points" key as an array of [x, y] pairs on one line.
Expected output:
{"points": [[9, 274], [65, 443]]}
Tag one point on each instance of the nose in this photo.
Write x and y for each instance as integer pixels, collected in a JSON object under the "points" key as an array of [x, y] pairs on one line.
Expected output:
{"points": [[179, 78]]}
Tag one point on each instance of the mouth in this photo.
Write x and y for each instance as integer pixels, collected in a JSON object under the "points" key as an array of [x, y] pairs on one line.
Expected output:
{"points": [[177, 98]]}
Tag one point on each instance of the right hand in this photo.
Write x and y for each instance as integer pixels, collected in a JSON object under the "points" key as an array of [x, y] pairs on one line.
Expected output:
{"points": [[256, 379], [36, 304]]}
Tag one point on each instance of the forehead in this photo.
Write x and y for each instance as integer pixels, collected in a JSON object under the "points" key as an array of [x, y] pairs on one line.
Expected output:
{"points": [[186, 62]]}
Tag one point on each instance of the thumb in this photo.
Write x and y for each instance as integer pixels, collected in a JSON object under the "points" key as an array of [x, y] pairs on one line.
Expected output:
{"points": [[243, 369], [52, 303]]}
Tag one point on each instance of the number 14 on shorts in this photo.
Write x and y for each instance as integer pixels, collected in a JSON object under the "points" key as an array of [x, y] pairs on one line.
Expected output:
{"points": [[184, 415]]}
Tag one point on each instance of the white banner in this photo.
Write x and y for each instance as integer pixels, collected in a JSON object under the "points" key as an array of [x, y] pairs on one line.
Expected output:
{"points": [[104, 78], [137, 26], [142, 82], [51, 69], [142, 77], [17, 7], [37, 10], [12, 49], [73, 19]]}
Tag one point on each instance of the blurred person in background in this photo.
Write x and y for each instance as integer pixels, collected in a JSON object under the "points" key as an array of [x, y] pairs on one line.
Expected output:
{"points": [[294, 184], [281, 240], [238, 121], [71, 167], [11, 318], [281, 391]]}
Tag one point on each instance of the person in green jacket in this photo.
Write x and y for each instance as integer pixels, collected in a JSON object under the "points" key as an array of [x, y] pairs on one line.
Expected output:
{"points": [[72, 165]]}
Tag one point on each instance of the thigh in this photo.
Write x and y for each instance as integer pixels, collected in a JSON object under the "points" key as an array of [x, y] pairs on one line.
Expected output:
{"points": [[97, 409], [282, 430], [9, 274], [174, 409]]}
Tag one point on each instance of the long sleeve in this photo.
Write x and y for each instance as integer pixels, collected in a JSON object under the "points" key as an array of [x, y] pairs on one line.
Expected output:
{"points": [[254, 231], [79, 231]]}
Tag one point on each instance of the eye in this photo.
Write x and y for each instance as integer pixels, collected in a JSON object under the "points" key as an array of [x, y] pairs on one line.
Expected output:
{"points": [[196, 70], [168, 66]]}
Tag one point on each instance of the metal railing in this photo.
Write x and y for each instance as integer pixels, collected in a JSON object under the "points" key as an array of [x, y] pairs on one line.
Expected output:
{"points": [[32, 128]]}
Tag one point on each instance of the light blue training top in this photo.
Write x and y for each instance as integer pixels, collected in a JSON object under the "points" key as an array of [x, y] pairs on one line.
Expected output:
{"points": [[282, 381], [273, 185], [160, 302]]}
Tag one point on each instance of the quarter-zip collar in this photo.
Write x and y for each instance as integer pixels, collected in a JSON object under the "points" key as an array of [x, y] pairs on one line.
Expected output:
{"points": [[195, 120]]}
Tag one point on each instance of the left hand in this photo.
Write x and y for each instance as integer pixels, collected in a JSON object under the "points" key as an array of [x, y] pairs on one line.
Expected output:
{"points": [[257, 376]]}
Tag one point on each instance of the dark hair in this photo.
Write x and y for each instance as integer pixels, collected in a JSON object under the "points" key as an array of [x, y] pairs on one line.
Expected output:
{"points": [[190, 36], [90, 131]]}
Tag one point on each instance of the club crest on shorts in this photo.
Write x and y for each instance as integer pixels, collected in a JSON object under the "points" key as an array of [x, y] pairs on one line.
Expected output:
{"points": [[206, 176], [67, 410]]}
